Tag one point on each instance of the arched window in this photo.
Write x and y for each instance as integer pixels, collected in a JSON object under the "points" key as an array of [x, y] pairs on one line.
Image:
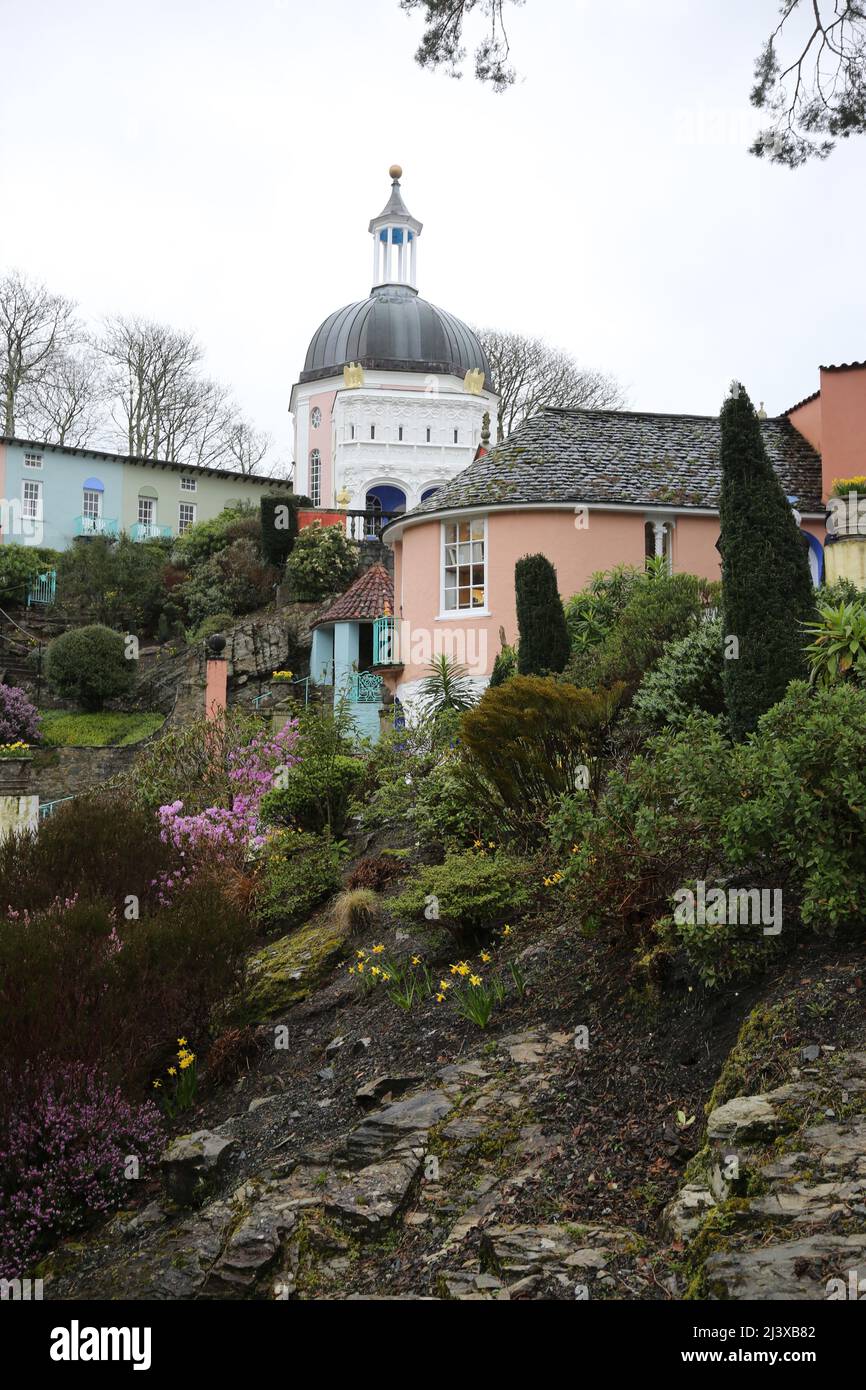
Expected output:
{"points": [[316, 477], [428, 492]]}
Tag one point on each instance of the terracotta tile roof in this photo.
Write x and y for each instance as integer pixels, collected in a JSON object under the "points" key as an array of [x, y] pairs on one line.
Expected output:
{"points": [[842, 366], [621, 457], [365, 599]]}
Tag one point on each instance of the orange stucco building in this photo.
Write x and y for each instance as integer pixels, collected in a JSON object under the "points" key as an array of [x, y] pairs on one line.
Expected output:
{"points": [[593, 489]]}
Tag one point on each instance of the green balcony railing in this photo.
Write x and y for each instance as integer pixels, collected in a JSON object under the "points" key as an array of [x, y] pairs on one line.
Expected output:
{"points": [[149, 531], [96, 526], [385, 648]]}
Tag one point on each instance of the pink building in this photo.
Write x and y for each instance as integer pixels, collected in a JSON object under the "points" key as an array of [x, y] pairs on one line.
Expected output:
{"points": [[591, 489]]}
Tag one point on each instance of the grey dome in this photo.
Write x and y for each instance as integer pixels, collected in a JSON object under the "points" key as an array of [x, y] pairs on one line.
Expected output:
{"points": [[394, 330]]}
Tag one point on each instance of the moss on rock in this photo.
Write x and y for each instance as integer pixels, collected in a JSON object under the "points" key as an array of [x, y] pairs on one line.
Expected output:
{"points": [[286, 971]]}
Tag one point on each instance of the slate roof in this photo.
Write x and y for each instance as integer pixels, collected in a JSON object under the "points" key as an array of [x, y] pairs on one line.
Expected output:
{"points": [[620, 457], [364, 600]]}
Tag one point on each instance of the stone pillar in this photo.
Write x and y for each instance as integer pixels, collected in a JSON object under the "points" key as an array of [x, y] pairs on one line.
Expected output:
{"points": [[19, 808], [216, 683]]}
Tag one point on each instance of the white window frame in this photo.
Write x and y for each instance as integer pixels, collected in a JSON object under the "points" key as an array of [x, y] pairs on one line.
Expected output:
{"points": [[448, 614], [315, 417], [189, 484], [32, 460], [149, 504], [36, 498], [91, 492], [315, 487], [182, 525]]}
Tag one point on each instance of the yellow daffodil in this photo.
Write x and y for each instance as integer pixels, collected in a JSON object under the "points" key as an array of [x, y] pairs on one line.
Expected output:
{"points": [[486, 957], [172, 1071], [475, 979], [377, 950]]}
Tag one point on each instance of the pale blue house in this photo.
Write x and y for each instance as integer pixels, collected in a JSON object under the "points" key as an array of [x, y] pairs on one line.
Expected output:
{"points": [[349, 644]]}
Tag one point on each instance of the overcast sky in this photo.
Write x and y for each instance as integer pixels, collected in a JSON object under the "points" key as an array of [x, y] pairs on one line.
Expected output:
{"points": [[214, 164]]}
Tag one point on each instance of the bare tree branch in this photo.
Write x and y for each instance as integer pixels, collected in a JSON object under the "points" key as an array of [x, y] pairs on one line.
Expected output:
{"points": [[35, 325], [528, 374]]}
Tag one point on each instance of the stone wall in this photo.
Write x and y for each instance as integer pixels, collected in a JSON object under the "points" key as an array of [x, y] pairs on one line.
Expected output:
{"points": [[61, 772]]}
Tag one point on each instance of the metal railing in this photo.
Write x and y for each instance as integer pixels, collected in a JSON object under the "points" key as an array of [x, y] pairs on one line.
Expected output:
{"points": [[368, 526], [268, 692], [43, 588], [365, 688], [47, 808], [149, 531], [95, 526]]}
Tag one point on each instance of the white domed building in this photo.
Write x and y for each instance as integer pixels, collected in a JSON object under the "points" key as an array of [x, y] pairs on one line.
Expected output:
{"points": [[389, 405]]}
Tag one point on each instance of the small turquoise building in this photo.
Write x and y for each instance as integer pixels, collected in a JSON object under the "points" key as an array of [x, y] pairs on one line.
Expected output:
{"points": [[348, 647]]}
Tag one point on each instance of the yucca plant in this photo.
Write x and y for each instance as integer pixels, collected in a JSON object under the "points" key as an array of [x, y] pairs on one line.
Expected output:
{"points": [[448, 686], [838, 649]]}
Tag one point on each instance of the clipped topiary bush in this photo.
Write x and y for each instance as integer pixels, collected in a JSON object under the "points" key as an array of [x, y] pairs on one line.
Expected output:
{"points": [[89, 665], [544, 641], [767, 592]]}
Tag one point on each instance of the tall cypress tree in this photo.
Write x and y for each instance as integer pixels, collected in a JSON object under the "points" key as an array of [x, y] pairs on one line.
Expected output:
{"points": [[544, 641], [766, 584]]}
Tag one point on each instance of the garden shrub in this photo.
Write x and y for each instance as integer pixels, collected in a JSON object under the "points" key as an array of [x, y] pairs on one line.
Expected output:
{"points": [[801, 807], [316, 795], [591, 614], [82, 981], [544, 641], [655, 827], [659, 610], [468, 894], [419, 786], [533, 739], [205, 539], [89, 665], [505, 665], [279, 526], [234, 580], [686, 679], [323, 561], [19, 566], [64, 1158], [298, 871], [98, 843], [19, 720], [118, 581], [192, 762], [217, 622]]}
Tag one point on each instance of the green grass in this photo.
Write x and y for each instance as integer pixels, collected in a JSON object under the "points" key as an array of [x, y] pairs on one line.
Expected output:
{"points": [[63, 730]]}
